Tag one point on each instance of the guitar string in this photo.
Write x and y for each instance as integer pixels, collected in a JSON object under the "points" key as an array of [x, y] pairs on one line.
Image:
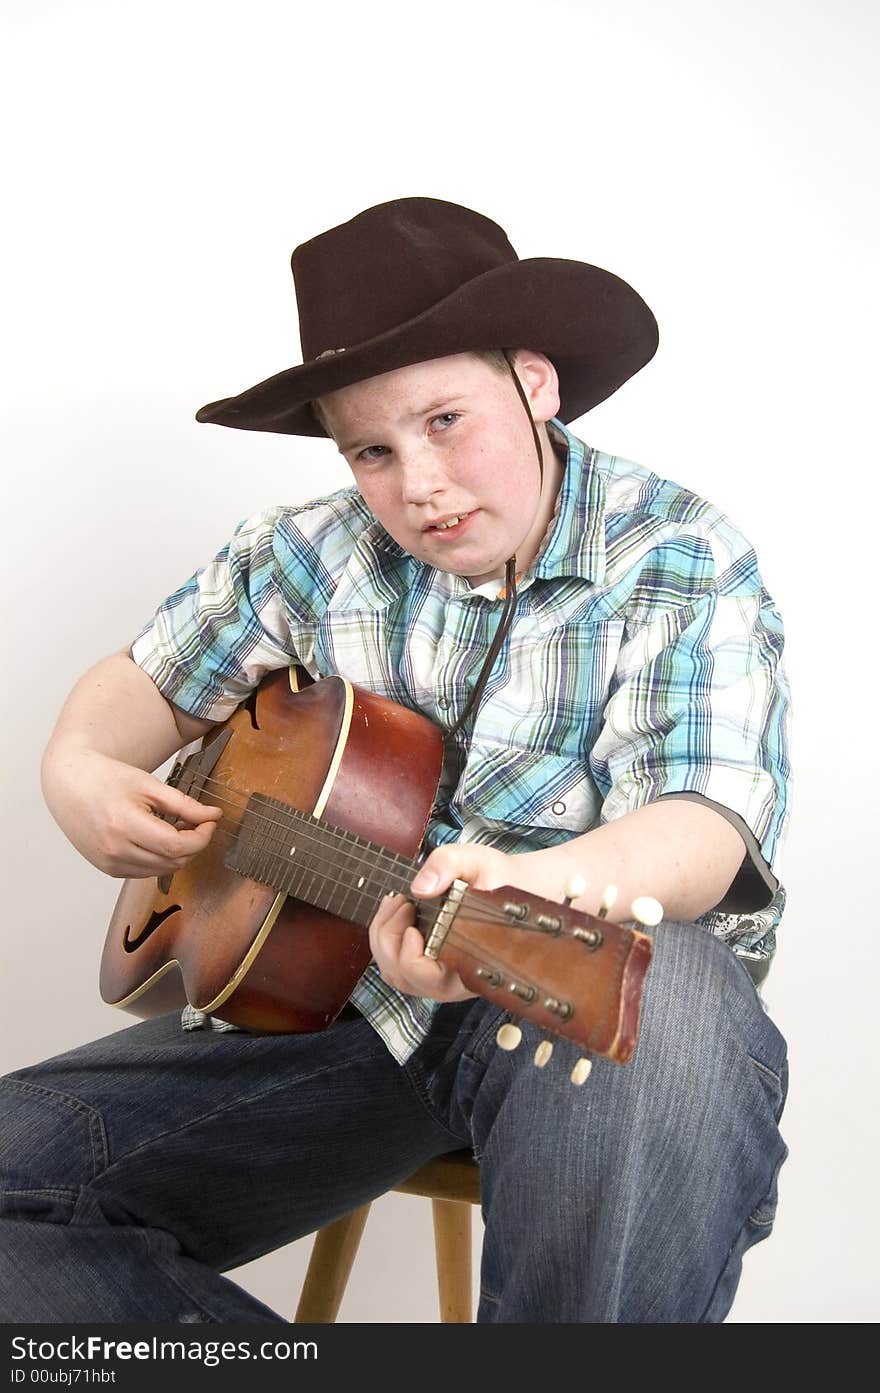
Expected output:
{"points": [[455, 937], [479, 953], [322, 832], [471, 948], [361, 856], [317, 832], [366, 853], [275, 822], [472, 899]]}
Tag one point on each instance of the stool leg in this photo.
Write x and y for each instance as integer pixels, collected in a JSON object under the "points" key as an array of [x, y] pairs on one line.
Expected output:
{"points": [[452, 1243], [329, 1265]]}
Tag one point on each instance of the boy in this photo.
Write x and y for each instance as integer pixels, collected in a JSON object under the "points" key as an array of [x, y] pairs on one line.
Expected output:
{"points": [[605, 661]]}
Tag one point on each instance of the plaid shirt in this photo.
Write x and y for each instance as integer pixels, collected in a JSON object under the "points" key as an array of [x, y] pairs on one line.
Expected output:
{"points": [[644, 661]]}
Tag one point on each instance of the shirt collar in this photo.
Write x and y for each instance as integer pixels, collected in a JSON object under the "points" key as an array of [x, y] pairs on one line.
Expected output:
{"points": [[575, 543]]}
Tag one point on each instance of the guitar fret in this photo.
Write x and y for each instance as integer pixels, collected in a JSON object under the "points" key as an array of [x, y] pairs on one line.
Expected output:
{"points": [[325, 866]]}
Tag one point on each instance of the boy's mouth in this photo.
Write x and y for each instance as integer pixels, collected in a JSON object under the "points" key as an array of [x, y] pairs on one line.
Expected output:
{"points": [[449, 525]]}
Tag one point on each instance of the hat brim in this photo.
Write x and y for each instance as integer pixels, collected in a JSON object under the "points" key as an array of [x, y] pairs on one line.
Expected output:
{"points": [[595, 329]]}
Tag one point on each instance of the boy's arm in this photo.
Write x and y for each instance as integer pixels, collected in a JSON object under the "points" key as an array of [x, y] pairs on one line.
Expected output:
{"points": [[115, 727], [683, 854]]}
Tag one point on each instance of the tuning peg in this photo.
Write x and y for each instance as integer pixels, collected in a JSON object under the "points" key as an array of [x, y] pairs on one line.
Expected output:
{"points": [[609, 896], [575, 885], [543, 1052], [508, 1036], [647, 911], [581, 1071]]}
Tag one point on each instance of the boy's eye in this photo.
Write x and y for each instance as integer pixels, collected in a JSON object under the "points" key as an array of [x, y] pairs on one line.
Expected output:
{"points": [[373, 452]]}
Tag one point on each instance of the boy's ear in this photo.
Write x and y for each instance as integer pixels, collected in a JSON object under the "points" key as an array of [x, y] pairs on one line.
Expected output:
{"points": [[540, 382]]}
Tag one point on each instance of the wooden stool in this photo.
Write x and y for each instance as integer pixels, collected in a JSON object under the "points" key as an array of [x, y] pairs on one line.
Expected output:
{"points": [[452, 1184]]}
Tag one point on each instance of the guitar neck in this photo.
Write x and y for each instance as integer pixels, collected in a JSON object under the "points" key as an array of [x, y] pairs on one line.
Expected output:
{"points": [[322, 865]]}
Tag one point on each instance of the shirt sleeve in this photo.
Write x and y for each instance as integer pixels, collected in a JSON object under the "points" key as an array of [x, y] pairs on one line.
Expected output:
{"points": [[212, 641], [700, 708]]}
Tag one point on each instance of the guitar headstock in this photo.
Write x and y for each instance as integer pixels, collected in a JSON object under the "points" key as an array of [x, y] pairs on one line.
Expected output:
{"points": [[574, 974]]}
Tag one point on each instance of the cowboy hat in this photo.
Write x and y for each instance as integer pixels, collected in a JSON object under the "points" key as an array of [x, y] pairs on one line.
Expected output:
{"points": [[420, 278]]}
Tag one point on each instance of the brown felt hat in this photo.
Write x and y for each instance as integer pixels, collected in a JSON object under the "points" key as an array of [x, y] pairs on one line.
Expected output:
{"points": [[420, 278]]}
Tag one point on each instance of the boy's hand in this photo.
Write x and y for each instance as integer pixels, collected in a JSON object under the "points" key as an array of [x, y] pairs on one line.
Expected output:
{"points": [[398, 946], [107, 810]]}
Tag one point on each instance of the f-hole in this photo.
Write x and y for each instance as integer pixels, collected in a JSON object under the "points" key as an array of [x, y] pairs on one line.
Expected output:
{"points": [[250, 706], [132, 944]]}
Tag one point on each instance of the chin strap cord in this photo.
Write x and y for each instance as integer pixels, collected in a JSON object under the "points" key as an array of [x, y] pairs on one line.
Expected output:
{"points": [[527, 409], [500, 635], [509, 583]]}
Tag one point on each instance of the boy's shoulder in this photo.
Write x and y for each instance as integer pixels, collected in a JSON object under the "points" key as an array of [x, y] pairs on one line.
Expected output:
{"points": [[657, 523], [330, 550], [637, 496], [334, 521], [343, 507], [631, 489], [632, 496]]}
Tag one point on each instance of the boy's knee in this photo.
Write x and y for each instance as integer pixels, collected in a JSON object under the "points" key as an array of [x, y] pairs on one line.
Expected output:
{"points": [[695, 981]]}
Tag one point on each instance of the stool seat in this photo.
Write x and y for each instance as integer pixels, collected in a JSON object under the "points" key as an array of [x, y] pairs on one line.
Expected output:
{"points": [[452, 1183]]}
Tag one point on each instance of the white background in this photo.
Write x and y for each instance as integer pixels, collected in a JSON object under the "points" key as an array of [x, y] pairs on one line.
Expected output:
{"points": [[162, 160]]}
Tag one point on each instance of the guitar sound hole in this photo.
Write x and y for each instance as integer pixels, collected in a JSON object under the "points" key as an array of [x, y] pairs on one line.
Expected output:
{"points": [[131, 944]]}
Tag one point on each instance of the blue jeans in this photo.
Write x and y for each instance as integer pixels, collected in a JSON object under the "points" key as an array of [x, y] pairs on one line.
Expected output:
{"points": [[137, 1169]]}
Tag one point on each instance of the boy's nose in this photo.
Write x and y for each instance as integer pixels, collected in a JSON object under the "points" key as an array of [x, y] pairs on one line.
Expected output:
{"points": [[421, 476]]}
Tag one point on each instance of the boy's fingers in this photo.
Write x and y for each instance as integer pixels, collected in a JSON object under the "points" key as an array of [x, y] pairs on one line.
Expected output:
{"points": [[481, 866], [171, 800]]}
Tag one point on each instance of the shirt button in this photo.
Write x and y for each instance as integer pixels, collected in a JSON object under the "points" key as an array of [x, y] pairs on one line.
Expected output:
{"points": [[443, 702], [558, 808]]}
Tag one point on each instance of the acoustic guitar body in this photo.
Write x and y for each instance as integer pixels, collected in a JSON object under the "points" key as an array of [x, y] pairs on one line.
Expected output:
{"points": [[239, 949]]}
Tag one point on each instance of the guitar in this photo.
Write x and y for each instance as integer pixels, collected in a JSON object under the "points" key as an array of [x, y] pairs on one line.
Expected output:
{"points": [[327, 790]]}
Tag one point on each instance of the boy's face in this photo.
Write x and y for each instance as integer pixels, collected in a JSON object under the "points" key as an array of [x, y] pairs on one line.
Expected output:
{"points": [[449, 439]]}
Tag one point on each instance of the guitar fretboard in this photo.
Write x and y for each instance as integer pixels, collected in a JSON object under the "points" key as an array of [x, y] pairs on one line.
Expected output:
{"points": [[325, 866]]}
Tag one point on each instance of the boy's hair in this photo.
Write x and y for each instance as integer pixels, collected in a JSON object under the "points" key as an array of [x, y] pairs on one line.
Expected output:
{"points": [[495, 357]]}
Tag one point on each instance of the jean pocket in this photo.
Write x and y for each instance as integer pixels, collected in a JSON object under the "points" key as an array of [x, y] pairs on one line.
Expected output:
{"points": [[64, 1135], [51, 1146], [763, 1215], [774, 1081], [483, 1042]]}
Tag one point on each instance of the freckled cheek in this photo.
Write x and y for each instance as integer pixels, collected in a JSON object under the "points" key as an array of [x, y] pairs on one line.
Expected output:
{"points": [[392, 512], [501, 491], [381, 500]]}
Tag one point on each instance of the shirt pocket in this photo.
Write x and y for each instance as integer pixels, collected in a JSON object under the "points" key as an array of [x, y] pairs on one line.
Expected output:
{"points": [[523, 788]]}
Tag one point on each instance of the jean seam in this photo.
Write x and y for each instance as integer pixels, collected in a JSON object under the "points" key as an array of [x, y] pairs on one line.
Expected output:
{"points": [[97, 1133], [211, 1316], [218, 1112], [415, 1078], [753, 1219], [771, 1074], [49, 1192], [761, 1223], [412, 1074], [489, 1027]]}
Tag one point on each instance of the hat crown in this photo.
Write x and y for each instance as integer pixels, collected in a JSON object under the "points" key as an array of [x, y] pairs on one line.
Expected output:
{"points": [[388, 265]]}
